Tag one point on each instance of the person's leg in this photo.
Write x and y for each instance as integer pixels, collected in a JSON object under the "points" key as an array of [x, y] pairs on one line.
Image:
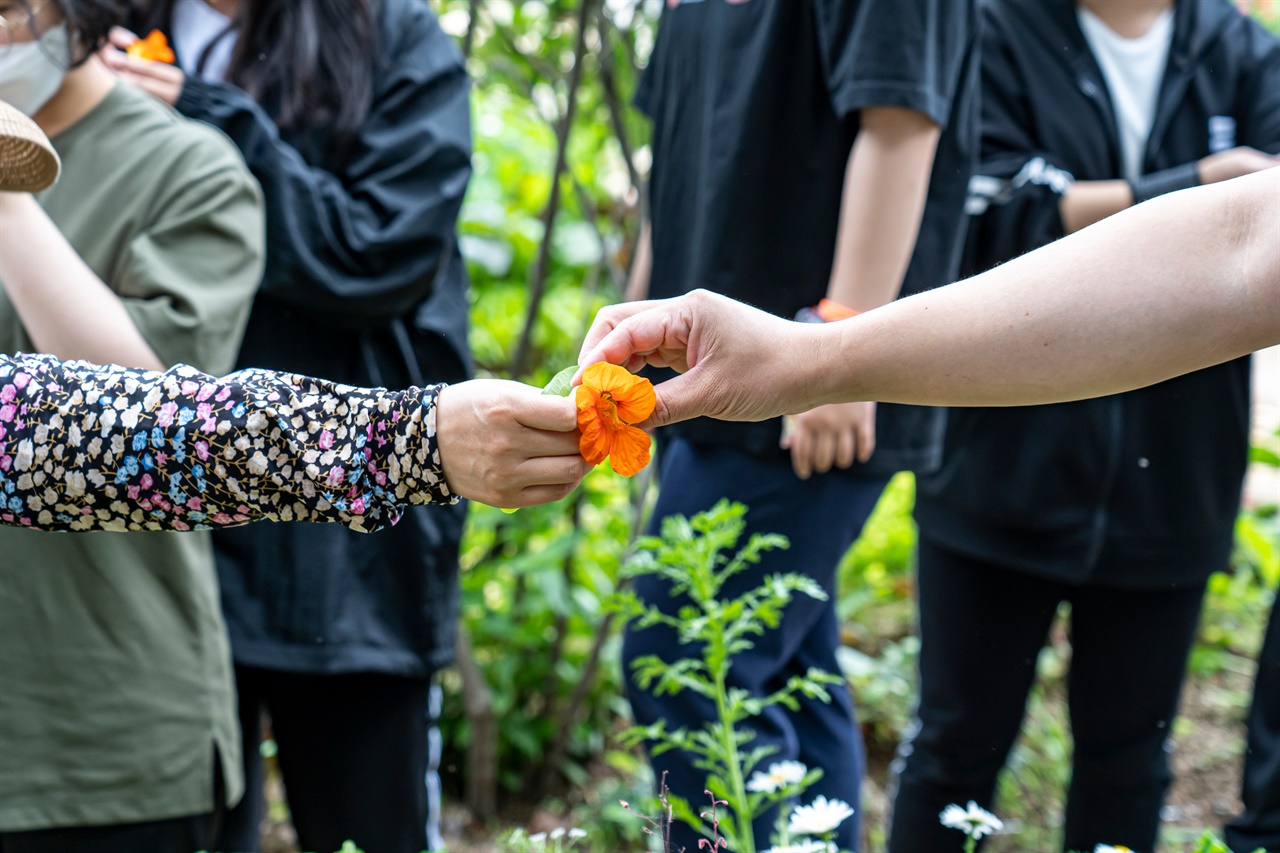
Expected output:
{"points": [[354, 751], [1128, 654], [981, 631], [1259, 826], [240, 829], [820, 517]]}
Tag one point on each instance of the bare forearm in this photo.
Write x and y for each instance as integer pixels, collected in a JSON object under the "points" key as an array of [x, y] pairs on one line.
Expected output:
{"points": [[1087, 202], [884, 196], [1179, 283], [66, 309]]}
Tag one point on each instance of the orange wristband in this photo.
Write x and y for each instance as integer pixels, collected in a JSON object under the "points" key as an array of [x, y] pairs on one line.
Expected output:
{"points": [[830, 311]]}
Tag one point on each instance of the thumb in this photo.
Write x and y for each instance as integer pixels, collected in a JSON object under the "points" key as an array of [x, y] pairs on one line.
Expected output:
{"points": [[679, 399]]}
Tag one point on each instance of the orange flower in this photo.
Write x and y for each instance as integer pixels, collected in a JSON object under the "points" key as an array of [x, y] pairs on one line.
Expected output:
{"points": [[609, 400], [154, 47]]}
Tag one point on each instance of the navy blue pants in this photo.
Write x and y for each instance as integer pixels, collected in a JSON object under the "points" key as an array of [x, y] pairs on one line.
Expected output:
{"points": [[981, 630], [821, 517], [1259, 826]]}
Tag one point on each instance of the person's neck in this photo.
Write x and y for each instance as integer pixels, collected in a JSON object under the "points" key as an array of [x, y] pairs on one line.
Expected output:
{"points": [[227, 7], [83, 88], [1127, 18]]}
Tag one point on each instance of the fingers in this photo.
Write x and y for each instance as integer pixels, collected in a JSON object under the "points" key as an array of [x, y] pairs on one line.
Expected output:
{"points": [[607, 320], [551, 471], [846, 442], [824, 451], [505, 444], [678, 400], [121, 38], [801, 442], [639, 333], [121, 62], [865, 436], [546, 412]]}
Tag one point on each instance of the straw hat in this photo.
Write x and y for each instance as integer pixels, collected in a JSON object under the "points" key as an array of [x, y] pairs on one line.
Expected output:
{"points": [[28, 162]]}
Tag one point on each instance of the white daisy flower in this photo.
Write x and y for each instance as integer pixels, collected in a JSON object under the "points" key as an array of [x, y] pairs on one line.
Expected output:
{"points": [[1107, 848], [576, 833], [557, 833], [804, 846], [780, 776], [973, 821], [819, 817]]}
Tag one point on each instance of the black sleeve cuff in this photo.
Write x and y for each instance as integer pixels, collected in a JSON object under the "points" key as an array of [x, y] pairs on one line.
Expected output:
{"points": [[1166, 181]]}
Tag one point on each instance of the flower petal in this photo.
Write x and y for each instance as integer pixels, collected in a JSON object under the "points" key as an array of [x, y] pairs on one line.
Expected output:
{"points": [[630, 451], [597, 438], [633, 395]]}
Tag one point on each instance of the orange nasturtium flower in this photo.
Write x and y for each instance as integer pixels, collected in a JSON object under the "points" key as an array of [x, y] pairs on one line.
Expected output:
{"points": [[610, 400], [154, 47]]}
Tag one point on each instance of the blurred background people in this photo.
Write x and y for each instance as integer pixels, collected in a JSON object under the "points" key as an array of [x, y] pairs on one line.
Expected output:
{"points": [[808, 157], [1120, 506], [117, 718], [353, 115]]}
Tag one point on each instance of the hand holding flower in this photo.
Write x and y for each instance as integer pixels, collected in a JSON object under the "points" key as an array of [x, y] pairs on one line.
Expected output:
{"points": [[144, 63], [505, 444]]}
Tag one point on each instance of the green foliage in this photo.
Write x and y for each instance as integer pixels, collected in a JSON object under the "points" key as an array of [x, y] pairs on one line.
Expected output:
{"points": [[522, 60], [534, 582], [696, 556], [533, 590]]}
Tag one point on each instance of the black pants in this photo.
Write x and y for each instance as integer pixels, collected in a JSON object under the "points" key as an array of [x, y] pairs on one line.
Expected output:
{"points": [[175, 835], [358, 754], [1259, 826], [981, 630]]}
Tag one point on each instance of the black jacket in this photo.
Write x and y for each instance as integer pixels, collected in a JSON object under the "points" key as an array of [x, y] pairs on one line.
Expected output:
{"points": [[364, 285], [1139, 489]]}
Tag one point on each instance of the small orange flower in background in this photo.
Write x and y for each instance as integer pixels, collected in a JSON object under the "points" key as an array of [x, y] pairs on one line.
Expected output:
{"points": [[154, 47], [610, 400]]}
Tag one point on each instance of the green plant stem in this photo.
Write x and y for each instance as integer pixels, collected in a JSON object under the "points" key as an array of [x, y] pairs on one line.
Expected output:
{"points": [[738, 787]]}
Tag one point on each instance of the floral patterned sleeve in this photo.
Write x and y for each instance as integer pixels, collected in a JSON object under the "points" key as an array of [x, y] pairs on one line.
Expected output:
{"points": [[88, 447]]}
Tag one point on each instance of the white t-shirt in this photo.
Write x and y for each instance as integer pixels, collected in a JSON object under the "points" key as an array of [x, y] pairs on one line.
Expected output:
{"points": [[1133, 69], [195, 25]]}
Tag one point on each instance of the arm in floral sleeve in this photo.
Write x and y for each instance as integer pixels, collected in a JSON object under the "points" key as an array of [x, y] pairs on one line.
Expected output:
{"points": [[84, 447]]}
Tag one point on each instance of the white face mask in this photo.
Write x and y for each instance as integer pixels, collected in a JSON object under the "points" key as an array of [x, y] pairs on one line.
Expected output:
{"points": [[32, 71]]}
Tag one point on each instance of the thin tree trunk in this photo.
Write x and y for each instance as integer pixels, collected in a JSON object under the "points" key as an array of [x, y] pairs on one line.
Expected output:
{"points": [[482, 751], [468, 40], [538, 275], [560, 746]]}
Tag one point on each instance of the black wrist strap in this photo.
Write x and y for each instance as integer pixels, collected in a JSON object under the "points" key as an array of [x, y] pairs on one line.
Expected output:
{"points": [[1165, 181]]}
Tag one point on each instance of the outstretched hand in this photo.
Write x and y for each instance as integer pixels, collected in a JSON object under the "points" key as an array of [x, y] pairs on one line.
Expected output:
{"points": [[506, 444], [737, 363]]}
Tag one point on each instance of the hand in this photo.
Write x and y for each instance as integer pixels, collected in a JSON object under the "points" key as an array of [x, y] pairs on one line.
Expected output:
{"points": [[1234, 163], [739, 363], [159, 79], [506, 444], [828, 436]]}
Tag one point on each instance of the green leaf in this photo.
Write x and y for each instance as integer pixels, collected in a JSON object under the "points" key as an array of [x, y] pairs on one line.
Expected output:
{"points": [[560, 386], [1264, 455]]}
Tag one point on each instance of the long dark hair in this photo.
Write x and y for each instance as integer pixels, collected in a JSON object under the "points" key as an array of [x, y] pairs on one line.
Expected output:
{"points": [[87, 23], [314, 57]]}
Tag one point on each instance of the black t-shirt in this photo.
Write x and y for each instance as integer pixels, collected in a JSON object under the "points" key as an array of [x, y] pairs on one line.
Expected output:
{"points": [[755, 110]]}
